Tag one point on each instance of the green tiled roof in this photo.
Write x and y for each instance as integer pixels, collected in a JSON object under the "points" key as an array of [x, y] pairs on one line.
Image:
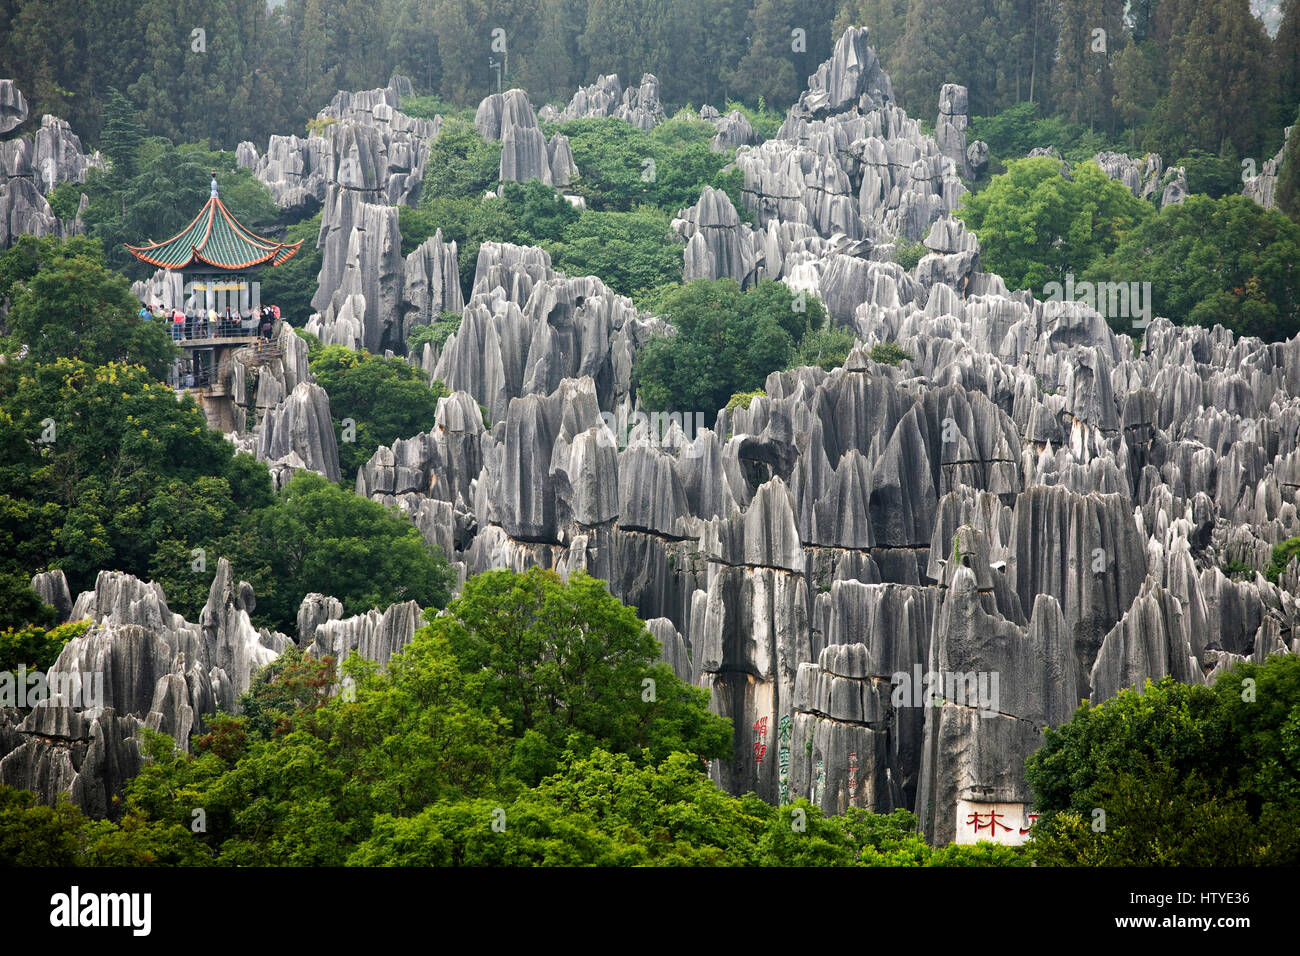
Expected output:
{"points": [[215, 238]]}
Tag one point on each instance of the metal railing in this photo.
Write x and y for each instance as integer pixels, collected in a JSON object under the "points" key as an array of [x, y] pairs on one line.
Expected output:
{"points": [[195, 329]]}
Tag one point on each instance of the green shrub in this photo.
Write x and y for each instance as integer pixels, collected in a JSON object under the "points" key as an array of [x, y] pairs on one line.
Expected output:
{"points": [[889, 353], [1282, 555]]}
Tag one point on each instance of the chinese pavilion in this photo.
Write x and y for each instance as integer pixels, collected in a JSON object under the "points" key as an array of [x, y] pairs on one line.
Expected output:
{"points": [[218, 259]]}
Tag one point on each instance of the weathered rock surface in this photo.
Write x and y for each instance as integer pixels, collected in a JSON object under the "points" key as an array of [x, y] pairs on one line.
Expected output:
{"points": [[365, 142], [52, 586], [139, 665], [1262, 187], [640, 105], [1023, 498], [58, 156], [376, 635], [301, 425], [718, 244], [13, 108], [31, 166], [950, 127]]}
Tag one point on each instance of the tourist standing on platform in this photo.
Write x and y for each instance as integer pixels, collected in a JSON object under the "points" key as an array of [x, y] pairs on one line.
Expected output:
{"points": [[178, 325]]}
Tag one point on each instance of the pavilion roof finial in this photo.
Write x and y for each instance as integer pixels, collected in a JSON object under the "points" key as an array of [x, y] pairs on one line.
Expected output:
{"points": [[214, 184]]}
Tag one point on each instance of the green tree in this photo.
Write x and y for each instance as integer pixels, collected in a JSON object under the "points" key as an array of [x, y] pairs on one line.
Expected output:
{"points": [[1082, 79], [37, 647], [460, 164], [34, 835], [281, 691], [633, 252], [1226, 261], [1035, 226], [386, 399], [320, 537], [24, 617], [724, 341], [1216, 84], [99, 492], [74, 307], [569, 666], [123, 133], [1288, 177], [1184, 775]]}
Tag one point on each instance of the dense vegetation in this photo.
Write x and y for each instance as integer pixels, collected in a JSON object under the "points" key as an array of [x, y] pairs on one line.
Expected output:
{"points": [[1181, 775], [1225, 261], [724, 340], [1222, 261], [1170, 76]]}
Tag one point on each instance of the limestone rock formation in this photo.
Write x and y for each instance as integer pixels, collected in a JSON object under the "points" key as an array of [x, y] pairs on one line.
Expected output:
{"points": [[139, 665], [13, 108], [52, 586], [1262, 187], [598, 100], [301, 425], [364, 142], [890, 577], [718, 244], [950, 127], [376, 635], [734, 130], [32, 166], [1175, 187], [640, 105], [58, 156], [1143, 176]]}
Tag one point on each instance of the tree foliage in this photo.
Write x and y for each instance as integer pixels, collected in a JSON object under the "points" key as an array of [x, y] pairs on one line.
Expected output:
{"points": [[66, 304], [1215, 261], [323, 538], [386, 399], [1184, 775], [724, 340], [1036, 226]]}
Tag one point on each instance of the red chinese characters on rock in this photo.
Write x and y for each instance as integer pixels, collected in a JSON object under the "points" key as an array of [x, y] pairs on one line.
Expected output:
{"points": [[760, 739], [1033, 818], [993, 822]]}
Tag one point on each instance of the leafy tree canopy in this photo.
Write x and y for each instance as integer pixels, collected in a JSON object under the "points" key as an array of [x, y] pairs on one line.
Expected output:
{"points": [[1201, 776], [1222, 261], [725, 340], [324, 538], [67, 304], [1036, 226]]}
